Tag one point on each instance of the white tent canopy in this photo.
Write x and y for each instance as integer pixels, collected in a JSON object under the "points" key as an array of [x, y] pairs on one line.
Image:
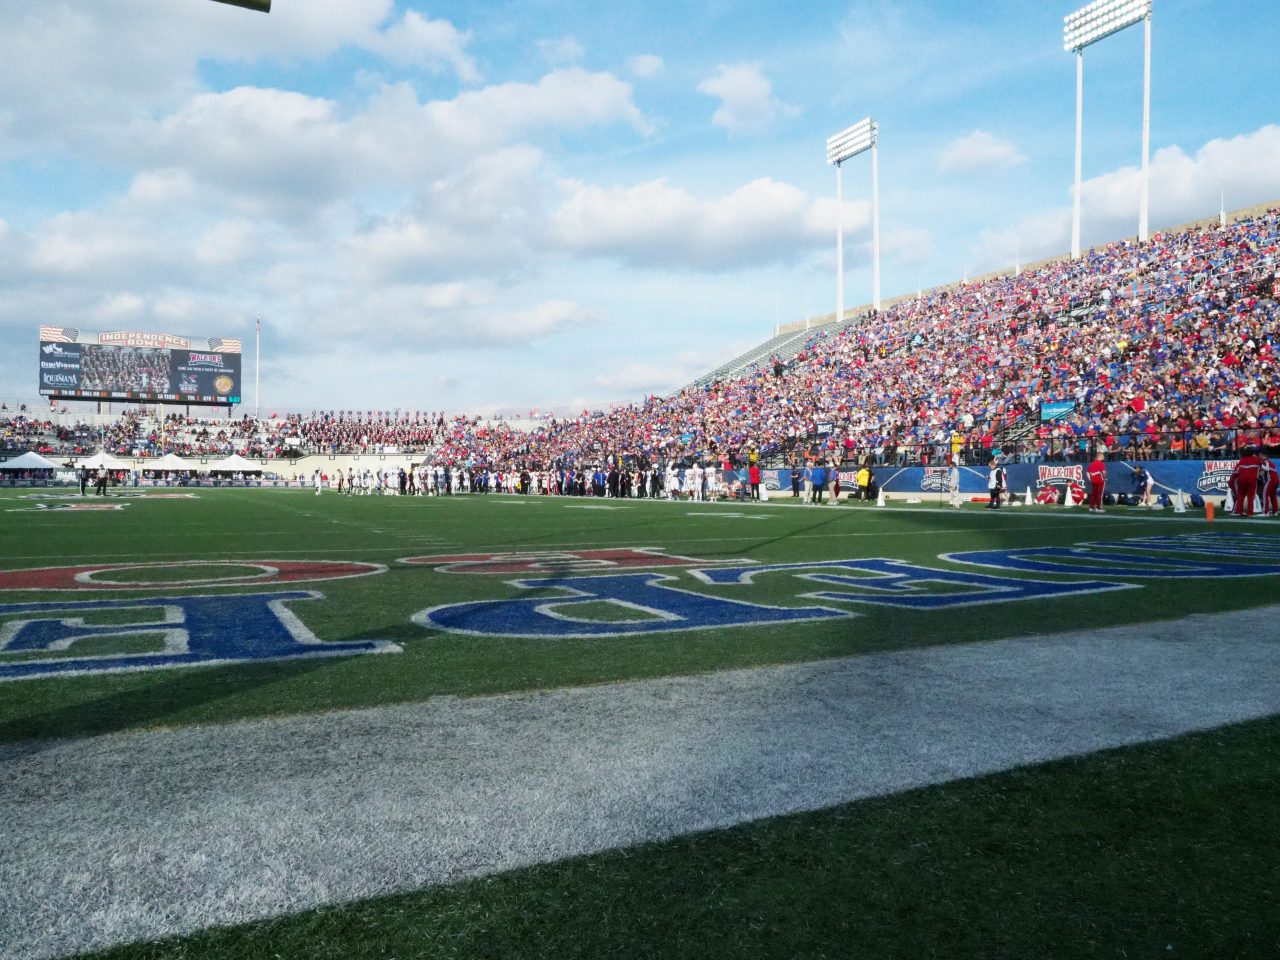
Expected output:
{"points": [[236, 464], [29, 461], [171, 461], [103, 459]]}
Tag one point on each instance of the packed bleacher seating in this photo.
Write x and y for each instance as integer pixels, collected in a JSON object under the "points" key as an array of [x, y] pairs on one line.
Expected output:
{"points": [[1165, 349]]}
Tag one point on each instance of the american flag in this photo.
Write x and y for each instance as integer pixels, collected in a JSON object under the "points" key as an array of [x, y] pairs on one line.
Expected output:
{"points": [[59, 334], [220, 345]]}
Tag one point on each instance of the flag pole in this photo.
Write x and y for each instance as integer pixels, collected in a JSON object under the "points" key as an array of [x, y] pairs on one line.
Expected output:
{"points": [[257, 366]]}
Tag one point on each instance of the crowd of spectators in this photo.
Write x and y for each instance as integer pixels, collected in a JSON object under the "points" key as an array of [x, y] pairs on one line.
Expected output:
{"points": [[1155, 346], [1166, 348], [135, 369], [412, 432], [25, 431]]}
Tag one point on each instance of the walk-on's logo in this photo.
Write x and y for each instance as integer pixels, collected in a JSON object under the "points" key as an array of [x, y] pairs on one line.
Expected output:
{"points": [[1061, 478], [1215, 476]]}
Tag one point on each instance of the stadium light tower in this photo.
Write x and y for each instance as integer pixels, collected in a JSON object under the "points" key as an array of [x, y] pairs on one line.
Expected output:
{"points": [[846, 144], [1087, 25], [263, 6]]}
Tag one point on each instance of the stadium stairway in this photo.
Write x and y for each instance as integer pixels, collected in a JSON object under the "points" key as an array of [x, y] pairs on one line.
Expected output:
{"points": [[785, 346]]}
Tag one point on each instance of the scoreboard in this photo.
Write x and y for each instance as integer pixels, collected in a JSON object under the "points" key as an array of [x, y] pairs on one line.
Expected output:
{"points": [[130, 365]]}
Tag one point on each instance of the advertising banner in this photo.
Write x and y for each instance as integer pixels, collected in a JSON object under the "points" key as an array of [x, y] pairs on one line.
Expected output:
{"points": [[1055, 410], [1205, 477]]}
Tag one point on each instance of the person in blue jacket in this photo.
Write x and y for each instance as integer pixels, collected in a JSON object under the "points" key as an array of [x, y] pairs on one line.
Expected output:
{"points": [[819, 475]]}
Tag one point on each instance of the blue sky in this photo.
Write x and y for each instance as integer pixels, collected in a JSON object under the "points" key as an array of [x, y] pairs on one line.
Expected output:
{"points": [[516, 205]]}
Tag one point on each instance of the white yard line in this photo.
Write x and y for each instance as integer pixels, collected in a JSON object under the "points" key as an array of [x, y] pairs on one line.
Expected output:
{"points": [[143, 835]]}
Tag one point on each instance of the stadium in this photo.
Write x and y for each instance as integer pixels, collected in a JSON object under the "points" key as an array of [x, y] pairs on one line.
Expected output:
{"points": [[943, 624]]}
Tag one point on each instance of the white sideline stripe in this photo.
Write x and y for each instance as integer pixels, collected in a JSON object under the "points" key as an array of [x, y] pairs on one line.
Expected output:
{"points": [[143, 835]]}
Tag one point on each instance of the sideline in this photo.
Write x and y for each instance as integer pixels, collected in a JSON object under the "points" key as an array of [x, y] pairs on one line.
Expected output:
{"points": [[144, 835]]}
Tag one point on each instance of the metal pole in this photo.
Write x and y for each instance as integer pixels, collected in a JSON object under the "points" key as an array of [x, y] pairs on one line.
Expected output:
{"points": [[1075, 203], [875, 226], [257, 366], [839, 247], [1146, 132]]}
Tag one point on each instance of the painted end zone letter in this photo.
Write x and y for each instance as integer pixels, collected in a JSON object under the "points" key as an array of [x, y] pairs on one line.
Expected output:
{"points": [[188, 631], [647, 602]]}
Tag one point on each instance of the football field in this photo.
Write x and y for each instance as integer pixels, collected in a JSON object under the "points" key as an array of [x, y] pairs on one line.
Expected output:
{"points": [[262, 723]]}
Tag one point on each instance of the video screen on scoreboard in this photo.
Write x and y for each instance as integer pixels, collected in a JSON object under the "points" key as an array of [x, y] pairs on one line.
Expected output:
{"points": [[128, 365]]}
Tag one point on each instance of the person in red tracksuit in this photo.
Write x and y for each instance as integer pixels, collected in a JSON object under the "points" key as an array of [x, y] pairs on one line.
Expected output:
{"points": [[1269, 485], [1246, 476], [1097, 473], [753, 474]]}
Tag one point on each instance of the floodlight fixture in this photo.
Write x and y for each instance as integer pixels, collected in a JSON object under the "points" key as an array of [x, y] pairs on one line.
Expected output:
{"points": [[262, 6], [848, 143], [1088, 25], [1100, 20]]}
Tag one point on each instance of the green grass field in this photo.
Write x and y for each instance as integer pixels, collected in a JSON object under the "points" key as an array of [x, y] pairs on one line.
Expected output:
{"points": [[1156, 849]]}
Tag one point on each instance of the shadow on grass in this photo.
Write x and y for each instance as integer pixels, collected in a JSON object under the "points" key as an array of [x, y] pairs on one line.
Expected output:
{"points": [[138, 700]]}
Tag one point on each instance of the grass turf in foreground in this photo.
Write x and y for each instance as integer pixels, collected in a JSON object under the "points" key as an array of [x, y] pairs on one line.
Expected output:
{"points": [[1163, 850]]}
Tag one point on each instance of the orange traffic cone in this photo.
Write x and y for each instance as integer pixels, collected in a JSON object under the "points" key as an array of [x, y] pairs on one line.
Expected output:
{"points": [[1208, 510]]}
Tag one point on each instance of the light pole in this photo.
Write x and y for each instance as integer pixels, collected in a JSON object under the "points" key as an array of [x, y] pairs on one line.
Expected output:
{"points": [[845, 145], [1086, 26]]}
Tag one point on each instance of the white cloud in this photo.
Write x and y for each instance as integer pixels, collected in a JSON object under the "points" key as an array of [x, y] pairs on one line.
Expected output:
{"points": [[289, 156], [122, 308], [431, 44], [273, 150], [747, 103], [568, 99], [979, 151], [645, 65], [648, 377], [76, 70], [487, 218], [1184, 187], [656, 224], [230, 242], [522, 326], [561, 52], [909, 245]]}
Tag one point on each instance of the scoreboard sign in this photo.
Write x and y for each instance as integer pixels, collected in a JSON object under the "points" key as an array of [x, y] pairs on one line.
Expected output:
{"points": [[128, 365]]}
